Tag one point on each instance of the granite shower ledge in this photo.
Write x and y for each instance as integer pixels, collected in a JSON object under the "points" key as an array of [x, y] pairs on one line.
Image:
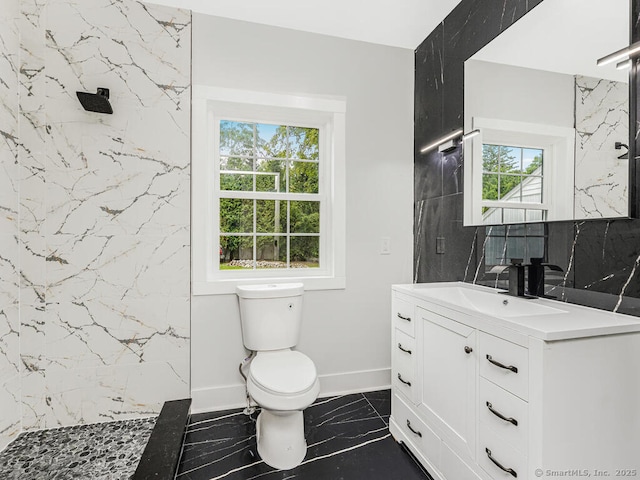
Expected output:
{"points": [[559, 321]]}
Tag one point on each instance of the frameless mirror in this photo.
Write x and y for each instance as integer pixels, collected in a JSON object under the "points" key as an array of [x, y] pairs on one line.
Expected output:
{"points": [[553, 126]]}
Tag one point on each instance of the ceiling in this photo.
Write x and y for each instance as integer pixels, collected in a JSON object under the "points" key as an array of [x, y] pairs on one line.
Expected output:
{"points": [[397, 23]]}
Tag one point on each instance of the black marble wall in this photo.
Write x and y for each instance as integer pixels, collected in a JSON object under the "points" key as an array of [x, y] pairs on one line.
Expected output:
{"points": [[600, 258]]}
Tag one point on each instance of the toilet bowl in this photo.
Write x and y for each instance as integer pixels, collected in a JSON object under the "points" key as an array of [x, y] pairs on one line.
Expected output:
{"points": [[282, 381]]}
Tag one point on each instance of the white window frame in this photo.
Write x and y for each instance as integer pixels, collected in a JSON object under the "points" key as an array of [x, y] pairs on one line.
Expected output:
{"points": [[558, 144], [212, 104]]}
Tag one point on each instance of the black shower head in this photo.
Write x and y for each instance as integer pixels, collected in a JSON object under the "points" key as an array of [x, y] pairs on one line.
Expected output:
{"points": [[96, 102]]}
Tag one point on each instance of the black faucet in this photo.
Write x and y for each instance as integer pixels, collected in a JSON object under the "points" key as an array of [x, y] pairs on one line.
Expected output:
{"points": [[516, 278], [535, 278]]}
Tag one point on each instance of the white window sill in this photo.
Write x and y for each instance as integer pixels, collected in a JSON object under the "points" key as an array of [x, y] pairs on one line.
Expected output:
{"points": [[226, 287]]}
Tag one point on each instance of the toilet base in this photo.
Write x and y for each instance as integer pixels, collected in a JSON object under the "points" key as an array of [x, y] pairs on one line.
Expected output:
{"points": [[280, 437]]}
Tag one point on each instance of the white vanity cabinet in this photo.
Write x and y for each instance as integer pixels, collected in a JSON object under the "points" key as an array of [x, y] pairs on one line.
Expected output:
{"points": [[527, 397]]}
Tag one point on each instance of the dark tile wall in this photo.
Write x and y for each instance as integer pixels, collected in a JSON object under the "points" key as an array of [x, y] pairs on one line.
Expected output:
{"points": [[600, 258]]}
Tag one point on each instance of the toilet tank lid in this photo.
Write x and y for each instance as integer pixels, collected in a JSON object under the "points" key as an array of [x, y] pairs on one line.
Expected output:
{"points": [[271, 290]]}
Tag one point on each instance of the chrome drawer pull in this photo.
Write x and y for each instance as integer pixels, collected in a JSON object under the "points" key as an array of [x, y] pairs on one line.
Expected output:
{"points": [[404, 349], [403, 381], [415, 432], [500, 416], [497, 464], [498, 364], [408, 319]]}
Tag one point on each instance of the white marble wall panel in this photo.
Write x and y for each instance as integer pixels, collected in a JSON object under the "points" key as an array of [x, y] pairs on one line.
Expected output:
{"points": [[10, 420], [105, 201], [602, 119]]}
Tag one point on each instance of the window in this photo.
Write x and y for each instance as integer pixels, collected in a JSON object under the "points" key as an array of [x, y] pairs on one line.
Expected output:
{"points": [[515, 172], [268, 190], [512, 175], [258, 231], [504, 242]]}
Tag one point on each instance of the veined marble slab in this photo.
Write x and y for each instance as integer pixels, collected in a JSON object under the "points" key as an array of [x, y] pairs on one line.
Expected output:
{"points": [[104, 233], [602, 119]]}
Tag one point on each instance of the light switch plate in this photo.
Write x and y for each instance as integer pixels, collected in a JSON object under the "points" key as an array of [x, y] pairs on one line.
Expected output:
{"points": [[385, 245]]}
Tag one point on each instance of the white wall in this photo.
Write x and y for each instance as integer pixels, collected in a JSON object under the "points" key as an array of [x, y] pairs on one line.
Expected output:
{"points": [[493, 90], [346, 332]]}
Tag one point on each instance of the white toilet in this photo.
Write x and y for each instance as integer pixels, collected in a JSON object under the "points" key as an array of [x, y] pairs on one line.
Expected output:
{"points": [[283, 382]]}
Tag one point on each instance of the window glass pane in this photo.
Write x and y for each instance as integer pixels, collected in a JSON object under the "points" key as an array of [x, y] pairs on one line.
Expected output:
{"points": [[271, 216], [272, 140], [515, 230], [516, 247], [510, 160], [236, 164], [496, 230], [534, 215], [492, 216], [236, 138], [236, 252], [236, 215], [495, 250], [303, 143], [236, 182], [510, 188], [305, 252], [535, 229], [304, 217], [490, 158], [532, 160], [271, 252], [303, 177], [513, 215], [535, 247], [532, 189], [490, 187], [271, 175]]}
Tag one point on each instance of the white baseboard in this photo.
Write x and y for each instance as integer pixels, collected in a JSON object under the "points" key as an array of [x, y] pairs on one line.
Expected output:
{"points": [[233, 396]]}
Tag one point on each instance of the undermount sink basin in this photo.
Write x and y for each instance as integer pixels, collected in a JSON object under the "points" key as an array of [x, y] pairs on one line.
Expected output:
{"points": [[492, 302]]}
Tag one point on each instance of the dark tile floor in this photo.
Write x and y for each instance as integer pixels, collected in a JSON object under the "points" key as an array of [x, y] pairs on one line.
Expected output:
{"points": [[348, 439], [101, 451]]}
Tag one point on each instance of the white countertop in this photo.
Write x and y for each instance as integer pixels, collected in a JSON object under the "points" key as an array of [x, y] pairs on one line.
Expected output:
{"points": [[558, 320]]}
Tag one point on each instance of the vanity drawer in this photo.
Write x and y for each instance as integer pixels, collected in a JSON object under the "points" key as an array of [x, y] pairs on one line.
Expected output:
{"points": [[499, 459], [403, 313], [496, 402], [404, 380], [416, 431], [505, 364], [403, 349], [403, 363]]}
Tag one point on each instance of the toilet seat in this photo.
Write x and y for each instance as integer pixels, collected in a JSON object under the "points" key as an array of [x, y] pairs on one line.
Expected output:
{"points": [[284, 372], [283, 380]]}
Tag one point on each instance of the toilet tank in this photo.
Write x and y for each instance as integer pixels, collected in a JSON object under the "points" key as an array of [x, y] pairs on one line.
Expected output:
{"points": [[271, 315]]}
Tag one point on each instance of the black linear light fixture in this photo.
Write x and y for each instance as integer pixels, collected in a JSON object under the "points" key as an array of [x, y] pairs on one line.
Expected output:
{"points": [[621, 54], [449, 142]]}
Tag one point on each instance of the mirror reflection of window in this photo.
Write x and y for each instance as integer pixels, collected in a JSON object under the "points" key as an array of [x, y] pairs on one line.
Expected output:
{"points": [[511, 174], [514, 241]]}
